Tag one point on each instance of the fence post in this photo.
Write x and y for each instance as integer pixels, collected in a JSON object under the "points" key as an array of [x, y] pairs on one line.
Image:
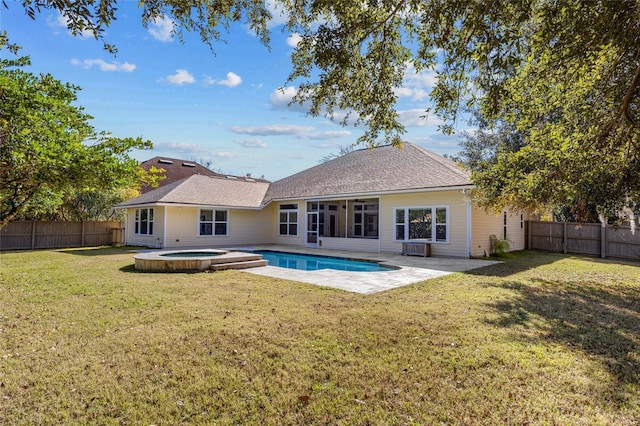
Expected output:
{"points": [[564, 237], [603, 240], [33, 235], [82, 235]]}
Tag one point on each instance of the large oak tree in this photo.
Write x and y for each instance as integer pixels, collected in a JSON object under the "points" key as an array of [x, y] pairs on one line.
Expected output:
{"points": [[564, 74]]}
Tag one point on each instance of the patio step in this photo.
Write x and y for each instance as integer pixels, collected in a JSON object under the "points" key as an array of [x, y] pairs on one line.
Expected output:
{"points": [[243, 264]]}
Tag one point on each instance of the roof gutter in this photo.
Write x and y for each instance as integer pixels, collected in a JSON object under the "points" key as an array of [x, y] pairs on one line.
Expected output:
{"points": [[157, 204], [373, 193]]}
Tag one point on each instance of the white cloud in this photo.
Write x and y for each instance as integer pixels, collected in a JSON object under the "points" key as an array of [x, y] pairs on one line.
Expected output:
{"points": [[104, 66], [251, 143], [418, 118], [294, 39], [416, 85], [278, 15], [162, 29], [299, 132], [232, 80], [181, 77], [62, 21], [336, 134], [280, 98], [180, 147], [275, 129]]}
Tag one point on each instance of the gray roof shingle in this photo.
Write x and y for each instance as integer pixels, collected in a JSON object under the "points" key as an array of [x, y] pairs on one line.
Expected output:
{"points": [[366, 171], [372, 170], [207, 191]]}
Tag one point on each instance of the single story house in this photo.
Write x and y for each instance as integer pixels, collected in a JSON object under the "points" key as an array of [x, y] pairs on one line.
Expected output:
{"points": [[371, 200]]}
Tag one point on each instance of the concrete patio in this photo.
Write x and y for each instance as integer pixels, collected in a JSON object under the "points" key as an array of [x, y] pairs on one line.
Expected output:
{"points": [[411, 270]]}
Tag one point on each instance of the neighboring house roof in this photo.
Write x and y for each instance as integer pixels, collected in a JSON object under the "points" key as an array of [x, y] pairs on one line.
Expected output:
{"points": [[373, 170], [176, 169], [377, 170], [206, 191]]}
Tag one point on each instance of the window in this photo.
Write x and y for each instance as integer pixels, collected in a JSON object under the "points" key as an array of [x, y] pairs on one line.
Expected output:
{"points": [[422, 223], [213, 222], [504, 227], [521, 220], [143, 224], [365, 220], [288, 219]]}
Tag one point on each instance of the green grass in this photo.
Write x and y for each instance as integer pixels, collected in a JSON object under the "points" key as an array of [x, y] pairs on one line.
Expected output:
{"points": [[539, 339]]}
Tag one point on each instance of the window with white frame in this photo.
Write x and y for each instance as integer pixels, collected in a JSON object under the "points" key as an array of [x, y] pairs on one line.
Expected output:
{"points": [[213, 222], [288, 219], [422, 223], [143, 223]]}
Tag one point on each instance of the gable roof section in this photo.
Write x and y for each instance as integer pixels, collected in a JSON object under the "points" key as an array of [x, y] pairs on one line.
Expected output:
{"points": [[373, 170], [377, 170], [174, 170], [201, 190]]}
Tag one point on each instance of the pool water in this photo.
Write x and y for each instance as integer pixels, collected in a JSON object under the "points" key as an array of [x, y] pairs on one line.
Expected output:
{"points": [[307, 262], [191, 254]]}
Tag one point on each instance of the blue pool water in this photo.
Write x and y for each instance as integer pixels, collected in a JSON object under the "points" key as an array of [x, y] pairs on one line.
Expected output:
{"points": [[308, 262]]}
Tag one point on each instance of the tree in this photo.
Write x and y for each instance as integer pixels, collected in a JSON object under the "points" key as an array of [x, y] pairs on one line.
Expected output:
{"points": [[566, 73], [48, 149]]}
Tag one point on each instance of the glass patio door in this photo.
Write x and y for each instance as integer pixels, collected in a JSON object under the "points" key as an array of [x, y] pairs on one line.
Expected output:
{"points": [[312, 229]]}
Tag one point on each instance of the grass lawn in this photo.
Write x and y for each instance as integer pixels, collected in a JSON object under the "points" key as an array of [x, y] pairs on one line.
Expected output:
{"points": [[539, 339]]}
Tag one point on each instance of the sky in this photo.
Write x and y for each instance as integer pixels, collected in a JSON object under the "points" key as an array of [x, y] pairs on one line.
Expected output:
{"points": [[228, 108]]}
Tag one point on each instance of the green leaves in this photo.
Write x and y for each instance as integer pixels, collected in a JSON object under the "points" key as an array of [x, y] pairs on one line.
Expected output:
{"points": [[49, 150]]}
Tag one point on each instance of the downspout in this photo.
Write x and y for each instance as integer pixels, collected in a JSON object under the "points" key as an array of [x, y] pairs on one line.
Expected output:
{"points": [[469, 228], [379, 227], [126, 227], [346, 219], [164, 228]]}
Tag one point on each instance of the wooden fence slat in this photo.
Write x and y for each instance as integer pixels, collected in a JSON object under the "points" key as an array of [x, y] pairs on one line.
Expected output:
{"points": [[587, 238], [39, 235]]}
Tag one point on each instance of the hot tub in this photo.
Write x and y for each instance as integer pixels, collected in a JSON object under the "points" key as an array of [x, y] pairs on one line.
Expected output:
{"points": [[196, 260]]}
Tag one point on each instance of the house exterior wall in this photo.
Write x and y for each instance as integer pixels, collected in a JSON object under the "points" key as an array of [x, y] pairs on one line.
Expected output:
{"points": [[245, 227], [455, 201], [356, 244], [154, 240], [485, 224], [295, 240]]}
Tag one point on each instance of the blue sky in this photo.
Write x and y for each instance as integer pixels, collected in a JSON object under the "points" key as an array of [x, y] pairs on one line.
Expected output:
{"points": [[226, 108]]}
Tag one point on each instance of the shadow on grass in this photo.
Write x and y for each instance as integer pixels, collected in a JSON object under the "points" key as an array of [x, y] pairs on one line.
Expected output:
{"points": [[602, 322], [132, 270], [516, 262], [521, 261], [100, 251]]}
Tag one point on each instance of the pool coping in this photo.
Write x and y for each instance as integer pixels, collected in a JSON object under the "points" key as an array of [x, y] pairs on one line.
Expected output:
{"points": [[411, 269]]}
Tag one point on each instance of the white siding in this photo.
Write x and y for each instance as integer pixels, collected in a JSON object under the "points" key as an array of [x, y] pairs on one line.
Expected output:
{"points": [[456, 202], [296, 240], [489, 223], [154, 240], [356, 244], [245, 227]]}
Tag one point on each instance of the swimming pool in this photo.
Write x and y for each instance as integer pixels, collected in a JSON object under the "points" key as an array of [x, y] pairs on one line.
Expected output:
{"points": [[307, 262]]}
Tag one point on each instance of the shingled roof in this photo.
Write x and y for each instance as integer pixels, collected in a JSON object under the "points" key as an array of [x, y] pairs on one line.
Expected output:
{"points": [[205, 191], [176, 169], [373, 170]]}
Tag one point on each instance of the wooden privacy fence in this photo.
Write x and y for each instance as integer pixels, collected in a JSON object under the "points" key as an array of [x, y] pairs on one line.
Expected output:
{"points": [[586, 238], [39, 235]]}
